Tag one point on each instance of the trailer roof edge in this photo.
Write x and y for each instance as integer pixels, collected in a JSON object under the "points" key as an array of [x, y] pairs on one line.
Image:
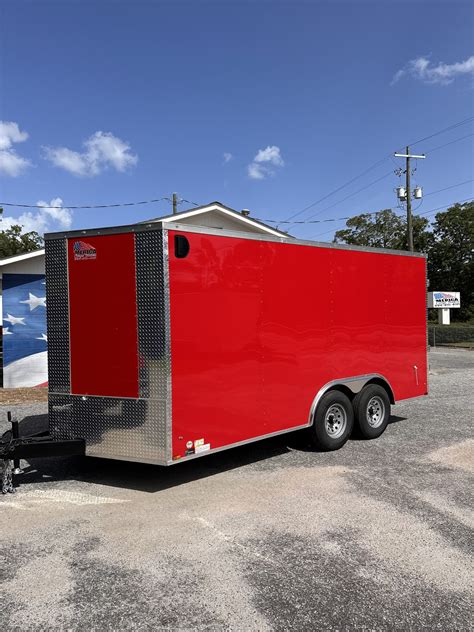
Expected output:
{"points": [[157, 225]]}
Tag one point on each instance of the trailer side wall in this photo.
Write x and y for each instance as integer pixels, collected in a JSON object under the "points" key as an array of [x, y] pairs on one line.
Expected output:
{"points": [[258, 327]]}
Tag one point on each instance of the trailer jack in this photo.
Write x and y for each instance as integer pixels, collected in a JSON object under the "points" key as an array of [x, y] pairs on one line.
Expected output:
{"points": [[14, 447], [7, 477]]}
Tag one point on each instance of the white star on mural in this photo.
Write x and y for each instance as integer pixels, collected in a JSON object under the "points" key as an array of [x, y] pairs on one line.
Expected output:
{"points": [[6, 332], [35, 301], [13, 320], [43, 337]]}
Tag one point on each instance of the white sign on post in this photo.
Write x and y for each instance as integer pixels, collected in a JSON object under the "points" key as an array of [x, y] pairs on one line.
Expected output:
{"points": [[444, 300]]}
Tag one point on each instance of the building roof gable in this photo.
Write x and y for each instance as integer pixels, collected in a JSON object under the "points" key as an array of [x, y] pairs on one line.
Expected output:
{"points": [[225, 210], [17, 258]]}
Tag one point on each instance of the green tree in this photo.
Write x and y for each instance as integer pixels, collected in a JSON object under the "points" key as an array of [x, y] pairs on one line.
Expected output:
{"points": [[384, 229], [451, 256], [14, 242]]}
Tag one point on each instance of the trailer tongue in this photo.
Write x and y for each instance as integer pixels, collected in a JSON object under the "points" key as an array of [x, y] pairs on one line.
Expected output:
{"points": [[14, 447]]}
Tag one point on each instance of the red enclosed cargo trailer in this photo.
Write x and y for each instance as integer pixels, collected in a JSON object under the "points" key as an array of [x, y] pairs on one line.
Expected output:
{"points": [[168, 342]]}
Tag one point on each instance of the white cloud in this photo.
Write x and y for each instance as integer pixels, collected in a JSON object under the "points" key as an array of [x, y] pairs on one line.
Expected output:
{"points": [[10, 133], [423, 69], [397, 76], [71, 161], [261, 166], [43, 219], [256, 172], [11, 164], [227, 156], [101, 151], [270, 154]]}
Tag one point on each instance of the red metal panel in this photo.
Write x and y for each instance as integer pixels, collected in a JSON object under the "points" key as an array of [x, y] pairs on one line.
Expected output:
{"points": [[103, 315], [259, 327], [405, 326], [215, 352]]}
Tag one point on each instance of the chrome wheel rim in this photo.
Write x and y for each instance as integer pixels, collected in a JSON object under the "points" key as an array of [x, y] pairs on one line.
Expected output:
{"points": [[375, 412], [335, 421]]}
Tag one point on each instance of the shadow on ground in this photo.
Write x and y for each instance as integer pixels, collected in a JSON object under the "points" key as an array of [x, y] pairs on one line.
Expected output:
{"points": [[153, 478]]}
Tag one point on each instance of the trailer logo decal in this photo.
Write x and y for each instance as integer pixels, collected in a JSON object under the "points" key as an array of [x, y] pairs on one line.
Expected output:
{"points": [[82, 250]]}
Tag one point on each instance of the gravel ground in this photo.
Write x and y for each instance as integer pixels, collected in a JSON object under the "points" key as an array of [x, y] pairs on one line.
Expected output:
{"points": [[271, 536], [19, 396]]}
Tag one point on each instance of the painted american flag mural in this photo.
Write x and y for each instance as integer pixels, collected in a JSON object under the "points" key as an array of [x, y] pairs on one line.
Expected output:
{"points": [[25, 361]]}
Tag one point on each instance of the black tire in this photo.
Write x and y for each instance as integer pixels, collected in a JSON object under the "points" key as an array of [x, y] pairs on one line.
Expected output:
{"points": [[337, 406], [372, 411]]}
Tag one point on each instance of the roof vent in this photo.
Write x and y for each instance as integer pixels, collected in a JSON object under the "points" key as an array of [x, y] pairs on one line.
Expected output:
{"points": [[245, 212]]}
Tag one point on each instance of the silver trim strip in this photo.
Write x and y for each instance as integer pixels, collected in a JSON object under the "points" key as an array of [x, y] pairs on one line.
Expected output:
{"points": [[355, 384], [68, 312], [237, 444], [89, 396], [166, 295], [106, 230], [413, 397], [137, 332], [131, 459]]}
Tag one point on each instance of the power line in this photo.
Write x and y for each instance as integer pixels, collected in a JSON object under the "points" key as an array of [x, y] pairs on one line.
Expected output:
{"points": [[97, 206], [330, 219], [433, 210], [313, 221], [87, 207], [430, 151], [367, 186], [343, 186], [340, 219], [446, 129], [453, 186], [181, 200]]}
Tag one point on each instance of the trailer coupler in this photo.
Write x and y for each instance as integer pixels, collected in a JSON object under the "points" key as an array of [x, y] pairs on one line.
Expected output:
{"points": [[42, 445]]}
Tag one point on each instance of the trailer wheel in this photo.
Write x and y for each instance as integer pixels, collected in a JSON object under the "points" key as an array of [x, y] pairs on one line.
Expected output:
{"points": [[372, 410], [333, 421]]}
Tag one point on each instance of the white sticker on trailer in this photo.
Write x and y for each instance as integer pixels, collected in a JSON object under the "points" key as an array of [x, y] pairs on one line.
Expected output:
{"points": [[202, 448]]}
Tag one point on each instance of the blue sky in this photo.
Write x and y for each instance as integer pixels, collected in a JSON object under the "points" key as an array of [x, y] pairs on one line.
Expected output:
{"points": [[261, 105]]}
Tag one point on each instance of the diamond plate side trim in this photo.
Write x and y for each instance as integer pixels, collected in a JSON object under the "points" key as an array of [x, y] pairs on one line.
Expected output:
{"points": [[129, 429], [57, 315], [153, 324], [151, 314]]}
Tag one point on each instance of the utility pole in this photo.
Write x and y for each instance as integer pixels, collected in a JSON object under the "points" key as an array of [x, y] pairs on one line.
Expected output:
{"points": [[409, 215], [175, 203], [407, 194]]}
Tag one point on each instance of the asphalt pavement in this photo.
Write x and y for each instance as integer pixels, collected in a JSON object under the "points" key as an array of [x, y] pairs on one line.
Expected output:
{"points": [[269, 536]]}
